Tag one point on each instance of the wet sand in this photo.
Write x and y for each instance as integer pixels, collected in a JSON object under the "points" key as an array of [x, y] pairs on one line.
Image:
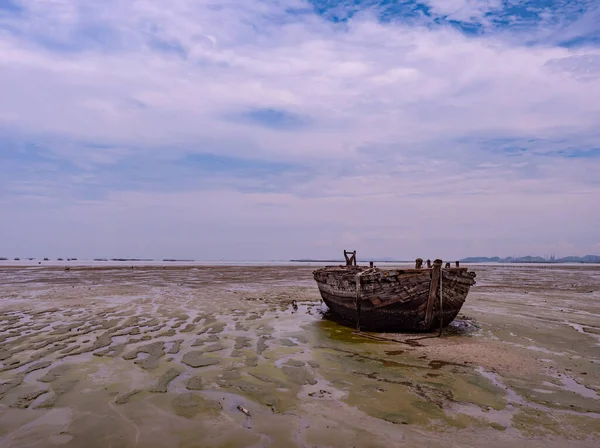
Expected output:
{"points": [[155, 357]]}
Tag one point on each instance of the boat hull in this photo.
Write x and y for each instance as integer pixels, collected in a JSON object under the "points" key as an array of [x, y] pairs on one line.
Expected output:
{"points": [[394, 300]]}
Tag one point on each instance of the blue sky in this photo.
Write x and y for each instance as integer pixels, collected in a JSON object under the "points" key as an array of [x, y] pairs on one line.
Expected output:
{"points": [[271, 129]]}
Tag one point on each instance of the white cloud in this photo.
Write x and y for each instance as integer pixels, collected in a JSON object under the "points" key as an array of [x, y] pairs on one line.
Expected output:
{"points": [[464, 10], [381, 82], [400, 119]]}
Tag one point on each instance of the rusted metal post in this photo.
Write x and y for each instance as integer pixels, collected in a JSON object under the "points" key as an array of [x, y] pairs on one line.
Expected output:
{"points": [[436, 273]]}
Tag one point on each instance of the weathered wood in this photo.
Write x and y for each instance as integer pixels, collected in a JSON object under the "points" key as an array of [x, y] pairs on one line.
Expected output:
{"points": [[435, 282], [442, 301], [418, 263], [244, 410], [457, 263], [392, 299], [429, 264], [358, 300], [447, 265], [350, 261]]}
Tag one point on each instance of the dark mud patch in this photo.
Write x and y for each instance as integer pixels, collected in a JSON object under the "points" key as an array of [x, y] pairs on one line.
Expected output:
{"points": [[299, 375], [124, 398], [320, 394], [242, 342], [217, 328], [38, 366], [55, 373], [361, 357], [252, 361], [195, 383], [214, 348], [5, 354], [394, 352], [11, 384], [24, 401], [295, 363], [189, 405], [204, 340], [175, 347], [437, 364], [198, 359], [265, 378], [155, 351], [59, 389], [167, 333], [164, 380], [261, 345], [111, 351], [396, 419], [68, 350], [231, 374]]}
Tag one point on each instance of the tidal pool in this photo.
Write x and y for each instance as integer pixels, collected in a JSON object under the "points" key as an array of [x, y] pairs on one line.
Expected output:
{"points": [[218, 356]]}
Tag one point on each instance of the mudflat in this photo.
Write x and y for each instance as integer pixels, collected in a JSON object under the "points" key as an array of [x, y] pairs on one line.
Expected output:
{"points": [[218, 356]]}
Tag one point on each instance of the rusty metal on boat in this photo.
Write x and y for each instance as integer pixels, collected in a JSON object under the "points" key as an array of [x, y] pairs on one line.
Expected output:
{"points": [[417, 299]]}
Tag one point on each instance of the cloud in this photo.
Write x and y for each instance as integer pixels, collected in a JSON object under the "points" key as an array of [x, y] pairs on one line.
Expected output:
{"points": [[464, 10], [475, 115], [271, 118]]}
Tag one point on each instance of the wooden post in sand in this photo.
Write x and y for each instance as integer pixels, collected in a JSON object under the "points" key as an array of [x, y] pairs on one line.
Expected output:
{"points": [[436, 272]]}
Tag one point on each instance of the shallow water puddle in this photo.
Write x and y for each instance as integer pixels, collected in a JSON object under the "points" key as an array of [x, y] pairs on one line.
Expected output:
{"points": [[167, 357]]}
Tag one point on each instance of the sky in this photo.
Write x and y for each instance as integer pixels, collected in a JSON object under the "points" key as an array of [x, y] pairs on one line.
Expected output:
{"points": [[271, 129]]}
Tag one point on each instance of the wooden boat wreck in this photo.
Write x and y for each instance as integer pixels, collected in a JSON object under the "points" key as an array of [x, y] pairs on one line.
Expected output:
{"points": [[395, 300]]}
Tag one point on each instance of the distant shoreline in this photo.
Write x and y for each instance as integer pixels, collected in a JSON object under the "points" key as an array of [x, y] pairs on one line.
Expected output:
{"points": [[533, 259], [588, 259], [160, 265], [374, 260], [31, 261]]}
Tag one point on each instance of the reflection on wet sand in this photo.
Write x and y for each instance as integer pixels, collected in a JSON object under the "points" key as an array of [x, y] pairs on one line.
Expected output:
{"points": [[167, 357]]}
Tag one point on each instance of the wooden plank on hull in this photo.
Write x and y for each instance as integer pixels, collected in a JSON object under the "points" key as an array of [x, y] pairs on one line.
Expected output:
{"points": [[435, 283]]}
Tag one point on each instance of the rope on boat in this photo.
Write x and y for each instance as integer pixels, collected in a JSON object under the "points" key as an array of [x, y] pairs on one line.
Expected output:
{"points": [[381, 338]]}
